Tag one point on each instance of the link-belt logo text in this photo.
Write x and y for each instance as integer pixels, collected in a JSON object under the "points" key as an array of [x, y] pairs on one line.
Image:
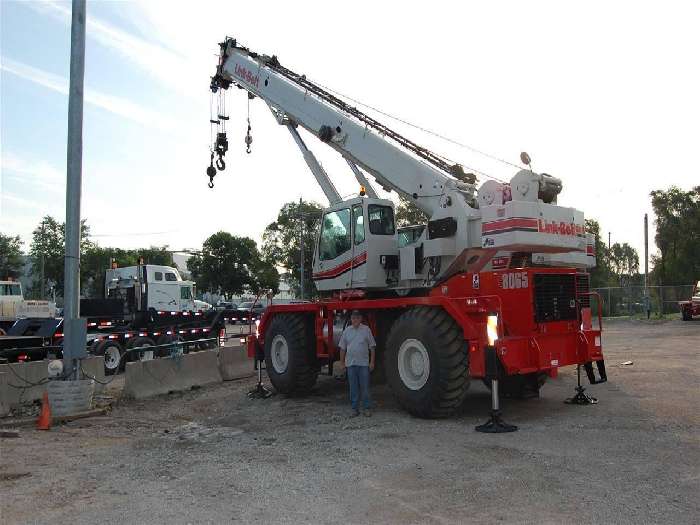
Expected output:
{"points": [[560, 228], [247, 75]]}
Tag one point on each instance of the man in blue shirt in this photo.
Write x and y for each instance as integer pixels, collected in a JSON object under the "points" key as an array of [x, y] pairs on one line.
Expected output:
{"points": [[357, 351]]}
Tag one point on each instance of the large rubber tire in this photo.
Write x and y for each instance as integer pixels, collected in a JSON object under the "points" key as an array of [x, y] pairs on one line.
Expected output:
{"points": [[290, 358], [687, 314], [441, 390], [525, 386], [113, 354]]}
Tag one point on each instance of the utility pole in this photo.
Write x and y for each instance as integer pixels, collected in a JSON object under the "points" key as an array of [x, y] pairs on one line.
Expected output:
{"points": [[609, 233], [74, 327], [301, 250], [647, 303]]}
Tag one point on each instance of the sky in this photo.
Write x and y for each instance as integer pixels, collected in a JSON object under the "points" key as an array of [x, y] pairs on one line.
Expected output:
{"points": [[603, 95]]}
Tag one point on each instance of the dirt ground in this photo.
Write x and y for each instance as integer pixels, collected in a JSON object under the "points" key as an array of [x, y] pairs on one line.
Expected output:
{"points": [[213, 456]]}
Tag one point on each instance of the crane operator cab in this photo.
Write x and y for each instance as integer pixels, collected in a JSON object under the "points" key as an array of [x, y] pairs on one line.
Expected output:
{"points": [[357, 246]]}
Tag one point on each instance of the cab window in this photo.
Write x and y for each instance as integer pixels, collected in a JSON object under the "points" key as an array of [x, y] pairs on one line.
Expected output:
{"points": [[159, 276], [10, 289], [186, 292], [335, 234], [381, 219], [358, 220], [170, 276]]}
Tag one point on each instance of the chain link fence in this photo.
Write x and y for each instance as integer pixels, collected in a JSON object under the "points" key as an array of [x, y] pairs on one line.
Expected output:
{"points": [[632, 301]]}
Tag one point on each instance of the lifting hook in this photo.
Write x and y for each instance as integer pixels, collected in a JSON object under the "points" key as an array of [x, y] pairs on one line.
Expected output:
{"points": [[211, 171], [248, 138]]}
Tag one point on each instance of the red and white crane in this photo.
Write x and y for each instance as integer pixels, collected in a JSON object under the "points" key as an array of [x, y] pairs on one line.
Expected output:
{"points": [[505, 252]]}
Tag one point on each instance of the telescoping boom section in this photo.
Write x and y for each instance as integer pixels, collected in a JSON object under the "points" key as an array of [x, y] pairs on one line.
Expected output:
{"points": [[492, 287]]}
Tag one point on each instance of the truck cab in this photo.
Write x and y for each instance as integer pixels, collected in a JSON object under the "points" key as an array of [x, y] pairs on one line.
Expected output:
{"points": [[150, 287], [13, 305]]}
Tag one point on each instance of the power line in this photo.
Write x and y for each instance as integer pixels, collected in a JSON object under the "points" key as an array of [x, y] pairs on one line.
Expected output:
{"points": [[425, 130]]}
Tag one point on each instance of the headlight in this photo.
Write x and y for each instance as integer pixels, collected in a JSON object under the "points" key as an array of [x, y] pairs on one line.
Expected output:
{"points": [[492, 328]]}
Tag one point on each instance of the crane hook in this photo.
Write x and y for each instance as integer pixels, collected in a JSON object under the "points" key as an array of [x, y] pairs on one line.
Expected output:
{"points": [[248, 139], [211, 171]]}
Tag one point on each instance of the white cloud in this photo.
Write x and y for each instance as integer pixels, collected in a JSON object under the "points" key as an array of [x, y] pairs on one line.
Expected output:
{"points": [[117, 105], [34, 172], [169, 67]]}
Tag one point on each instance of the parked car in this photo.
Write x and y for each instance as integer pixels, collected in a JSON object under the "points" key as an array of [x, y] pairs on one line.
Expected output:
{"points": [[246, 310], [226, 305], [202, 306]]}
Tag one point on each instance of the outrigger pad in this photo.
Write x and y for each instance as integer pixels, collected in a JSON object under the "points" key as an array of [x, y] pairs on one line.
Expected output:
{"points": [[495, 425], [581, 398], [259, 392]]}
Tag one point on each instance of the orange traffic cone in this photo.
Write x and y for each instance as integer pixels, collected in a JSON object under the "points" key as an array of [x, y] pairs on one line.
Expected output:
{"points": [[44, 421]]}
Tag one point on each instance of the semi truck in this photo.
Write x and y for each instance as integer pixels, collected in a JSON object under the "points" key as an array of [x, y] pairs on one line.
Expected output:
{"points": [[493, 287], [14, 306], [147, 311]]}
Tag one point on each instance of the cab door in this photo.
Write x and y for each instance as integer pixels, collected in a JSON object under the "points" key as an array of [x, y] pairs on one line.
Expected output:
{"points": [[359, 247], [333, 257]]}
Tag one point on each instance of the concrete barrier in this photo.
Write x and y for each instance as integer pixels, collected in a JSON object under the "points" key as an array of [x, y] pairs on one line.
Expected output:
{"points": [[25, 383], [234, 363], [170, 374], [4, 403]]}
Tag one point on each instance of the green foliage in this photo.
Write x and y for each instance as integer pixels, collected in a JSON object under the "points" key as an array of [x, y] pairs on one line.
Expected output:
{"points": [[624, 262], [677, 235], [408, 214], [602, 275], [281, 242], [10, 256], [232, 265], [47, 250]]}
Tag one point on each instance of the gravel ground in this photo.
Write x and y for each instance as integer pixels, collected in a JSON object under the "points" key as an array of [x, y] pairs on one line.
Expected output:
{"points": [[212, 455]]}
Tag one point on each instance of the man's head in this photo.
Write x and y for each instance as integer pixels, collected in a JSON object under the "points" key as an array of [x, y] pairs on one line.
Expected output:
{"points": [[356, 318]]}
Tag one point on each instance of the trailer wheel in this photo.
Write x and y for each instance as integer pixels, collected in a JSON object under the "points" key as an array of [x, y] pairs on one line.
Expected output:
{"points": [[140, 342], [112, 352], [427, 362], [290, 359]]}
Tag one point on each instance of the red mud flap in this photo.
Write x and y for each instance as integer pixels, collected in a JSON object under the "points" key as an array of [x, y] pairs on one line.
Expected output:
{"points": [[602, 376]]}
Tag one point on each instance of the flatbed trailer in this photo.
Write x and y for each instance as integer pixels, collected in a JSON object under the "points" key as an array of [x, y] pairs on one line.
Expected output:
{"points": [[117, 340]]}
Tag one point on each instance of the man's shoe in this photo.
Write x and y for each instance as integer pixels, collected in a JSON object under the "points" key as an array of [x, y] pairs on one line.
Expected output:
{"points": [[355, 413], [366, 412]]}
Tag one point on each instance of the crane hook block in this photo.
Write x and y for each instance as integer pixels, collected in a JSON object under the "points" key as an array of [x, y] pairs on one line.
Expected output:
{"points": [[248, 140], [211, 173]]}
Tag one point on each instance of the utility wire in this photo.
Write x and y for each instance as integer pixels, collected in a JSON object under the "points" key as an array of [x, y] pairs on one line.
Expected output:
{"points": [[426, 130]]}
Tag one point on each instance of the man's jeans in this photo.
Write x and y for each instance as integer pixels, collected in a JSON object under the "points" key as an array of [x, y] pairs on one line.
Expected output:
{"points": [[358, 379]]}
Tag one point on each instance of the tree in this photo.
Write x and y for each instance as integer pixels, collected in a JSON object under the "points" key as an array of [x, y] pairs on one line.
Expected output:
{"points": [[266, 278], [624, 261], [408, 214], [281, 245], [47, 251], [677, 235], [10, 256], [602, 274], [231, 265]]}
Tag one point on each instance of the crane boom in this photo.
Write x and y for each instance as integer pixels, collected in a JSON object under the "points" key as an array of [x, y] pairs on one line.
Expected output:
{"points": [[405, 167], [467, 231]]}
